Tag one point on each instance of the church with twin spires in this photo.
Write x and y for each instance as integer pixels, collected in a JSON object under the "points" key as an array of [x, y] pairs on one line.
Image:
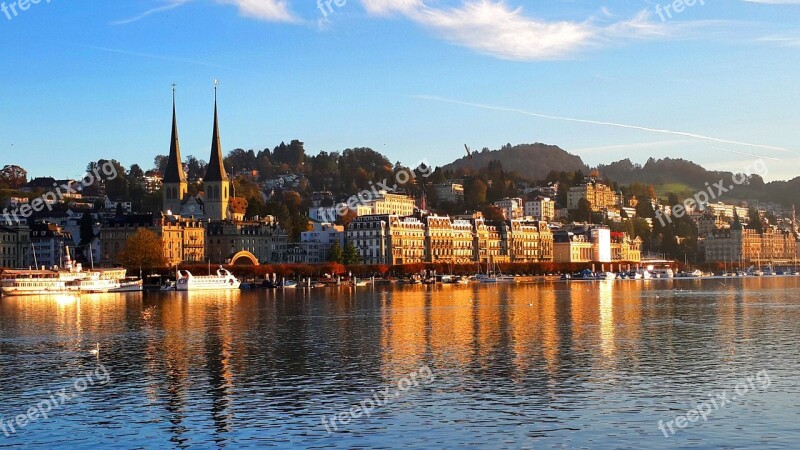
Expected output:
{"points": [[216, 201]]}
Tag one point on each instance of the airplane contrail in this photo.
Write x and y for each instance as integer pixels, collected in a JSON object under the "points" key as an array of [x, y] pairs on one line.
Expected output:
{"points": [[159, 57], [745, 154], [172, 5], [597, 122]]}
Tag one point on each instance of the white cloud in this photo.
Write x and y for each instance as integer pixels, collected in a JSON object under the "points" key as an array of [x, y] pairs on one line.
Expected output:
{"points": [[267, 10], [493, 27], [781, 40]]}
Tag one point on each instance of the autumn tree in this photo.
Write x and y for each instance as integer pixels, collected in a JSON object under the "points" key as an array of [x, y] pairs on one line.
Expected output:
{"points": [[345, 219], [13, 177], [144, 250]]}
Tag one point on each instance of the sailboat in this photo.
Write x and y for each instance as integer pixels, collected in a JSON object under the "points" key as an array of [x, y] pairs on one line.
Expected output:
{"points": [[494, 275]]}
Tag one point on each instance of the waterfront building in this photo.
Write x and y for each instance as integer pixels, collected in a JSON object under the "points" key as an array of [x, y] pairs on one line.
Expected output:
{"points": [[370, 236], [745, 245], [569, 247], [15, 245], [316, 244], [263, 237], [183, 239], [439, 239], [594, 244], [388, 239], [488, 242], [624, 249], [406, 240], [463, 242], [49, 244], [527, 241]]}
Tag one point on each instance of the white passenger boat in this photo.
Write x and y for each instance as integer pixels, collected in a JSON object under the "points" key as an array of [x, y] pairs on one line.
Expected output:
{"points": [[223, 280], [69, 279]]}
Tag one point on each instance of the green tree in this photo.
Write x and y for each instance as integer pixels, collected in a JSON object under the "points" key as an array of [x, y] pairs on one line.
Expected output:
{"points": [[475, 193], [135, 172], [584, 211], [754, 220], [86, 229], [350, 255], [337, 256]]}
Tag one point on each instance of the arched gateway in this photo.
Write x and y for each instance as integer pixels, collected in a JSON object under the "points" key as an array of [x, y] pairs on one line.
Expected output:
{"points": [[244, 258]]}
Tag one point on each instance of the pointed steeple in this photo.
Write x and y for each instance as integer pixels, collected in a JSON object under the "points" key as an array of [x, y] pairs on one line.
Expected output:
{"points": [[174, 172], [216, 169]]}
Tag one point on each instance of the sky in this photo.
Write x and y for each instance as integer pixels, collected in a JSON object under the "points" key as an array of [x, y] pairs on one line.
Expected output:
{"points": [[715, 82]]}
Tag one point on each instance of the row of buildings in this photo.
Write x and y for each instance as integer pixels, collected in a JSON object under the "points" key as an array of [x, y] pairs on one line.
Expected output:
{"points": [[740, 245], [389, 228], [395, 240]]}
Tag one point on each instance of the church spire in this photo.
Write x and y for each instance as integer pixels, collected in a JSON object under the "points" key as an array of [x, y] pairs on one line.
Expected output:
{"points": [[174, 172], [216, 169]]}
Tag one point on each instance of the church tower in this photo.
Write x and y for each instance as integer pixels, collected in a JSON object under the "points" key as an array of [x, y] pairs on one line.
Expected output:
{"points": [[175, 186], [217, 185]]}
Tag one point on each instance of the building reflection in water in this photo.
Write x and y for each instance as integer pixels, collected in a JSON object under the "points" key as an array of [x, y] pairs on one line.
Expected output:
{"points": [[205, 361]]}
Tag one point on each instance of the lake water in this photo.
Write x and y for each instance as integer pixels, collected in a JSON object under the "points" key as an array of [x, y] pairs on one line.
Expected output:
{"points": [[580, 365]]}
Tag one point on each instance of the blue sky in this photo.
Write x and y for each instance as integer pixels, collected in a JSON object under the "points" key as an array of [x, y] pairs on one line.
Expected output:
{"points": [[413, 79]]}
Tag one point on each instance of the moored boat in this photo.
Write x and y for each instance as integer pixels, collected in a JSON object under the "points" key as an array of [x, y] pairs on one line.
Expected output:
{"points": [[222, 280]]}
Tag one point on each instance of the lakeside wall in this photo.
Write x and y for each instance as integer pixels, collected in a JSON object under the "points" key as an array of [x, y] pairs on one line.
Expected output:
{"points": [[319, 270]]}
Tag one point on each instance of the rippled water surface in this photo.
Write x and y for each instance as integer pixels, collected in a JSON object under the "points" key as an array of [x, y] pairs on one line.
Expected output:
{"points": [[586, 365]]}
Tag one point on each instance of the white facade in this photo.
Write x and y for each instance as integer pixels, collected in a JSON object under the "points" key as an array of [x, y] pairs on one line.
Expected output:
{"points": [[541, 209], [317, 243], [512, 208], [601, 240]]}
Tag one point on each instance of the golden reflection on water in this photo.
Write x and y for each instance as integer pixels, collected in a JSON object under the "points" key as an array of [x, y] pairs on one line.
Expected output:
{"points": [[185, 345], [607, 326]]}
